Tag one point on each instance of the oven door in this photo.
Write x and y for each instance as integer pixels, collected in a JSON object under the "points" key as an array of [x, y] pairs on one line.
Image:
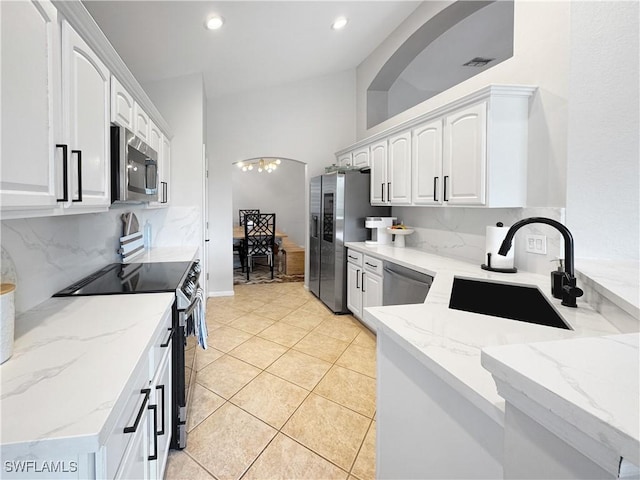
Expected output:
{"points": [[185, 319]]}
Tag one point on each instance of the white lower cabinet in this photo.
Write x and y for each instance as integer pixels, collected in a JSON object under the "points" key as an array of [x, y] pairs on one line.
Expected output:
{"points": [[364, 282], [354, 287], [138, 445]]}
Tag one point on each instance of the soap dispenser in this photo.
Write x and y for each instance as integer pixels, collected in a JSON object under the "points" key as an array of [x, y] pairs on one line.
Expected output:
{"points": [[556, 279]]}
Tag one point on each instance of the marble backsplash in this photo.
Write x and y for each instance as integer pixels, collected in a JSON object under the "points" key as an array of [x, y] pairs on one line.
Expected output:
{"points": [[44, 255], [460, 233]]}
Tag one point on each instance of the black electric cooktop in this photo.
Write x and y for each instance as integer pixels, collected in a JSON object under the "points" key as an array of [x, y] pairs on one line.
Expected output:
{"points": [[119, 278]]}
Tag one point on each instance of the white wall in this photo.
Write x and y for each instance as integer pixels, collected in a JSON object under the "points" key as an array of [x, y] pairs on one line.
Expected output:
{"points": [[182, 103], [307, 121], [603, 169], [540, 58], [279, 192]]}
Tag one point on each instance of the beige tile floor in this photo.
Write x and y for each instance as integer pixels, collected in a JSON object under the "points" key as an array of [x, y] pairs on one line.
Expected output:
{"points": [[286, 390]]}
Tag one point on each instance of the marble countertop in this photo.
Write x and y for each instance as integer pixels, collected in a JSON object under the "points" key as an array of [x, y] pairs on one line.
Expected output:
{"points": [[590, 383], [166, 254], [616, 280], [449, 342], [71, 361]]}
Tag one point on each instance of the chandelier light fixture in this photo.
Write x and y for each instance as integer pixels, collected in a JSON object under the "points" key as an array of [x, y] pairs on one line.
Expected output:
{"points": [[262, 165]]}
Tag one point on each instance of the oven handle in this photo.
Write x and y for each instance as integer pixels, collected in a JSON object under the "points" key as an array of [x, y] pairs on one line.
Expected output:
{"points": [[189, 310]]}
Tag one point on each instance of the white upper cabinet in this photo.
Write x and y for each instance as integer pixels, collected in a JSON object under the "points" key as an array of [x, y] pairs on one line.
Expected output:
{"points": [[140, 123], [86, 99], [121, 105], [471, 152], [399, 169], [162, 146], [378, 159], [165, 171], [391, 171], [361, 157], [344, 160], [426, 164], [31, 164], [465, 156]]}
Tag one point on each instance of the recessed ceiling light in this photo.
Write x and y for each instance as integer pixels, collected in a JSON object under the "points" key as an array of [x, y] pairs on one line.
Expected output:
{"points": [[339, 23], [214, 23]]}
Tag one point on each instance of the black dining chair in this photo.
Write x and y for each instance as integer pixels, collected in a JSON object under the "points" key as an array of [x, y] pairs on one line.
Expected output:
{"points": [[259, 239], [238, 248], [243, 213]]}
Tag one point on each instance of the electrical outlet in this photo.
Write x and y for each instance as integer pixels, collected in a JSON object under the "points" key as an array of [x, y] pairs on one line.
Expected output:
{"points": [[536, 244]]}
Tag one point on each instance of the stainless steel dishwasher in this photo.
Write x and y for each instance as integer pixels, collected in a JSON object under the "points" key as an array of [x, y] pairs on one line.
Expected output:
{"points": [[403, 286]]}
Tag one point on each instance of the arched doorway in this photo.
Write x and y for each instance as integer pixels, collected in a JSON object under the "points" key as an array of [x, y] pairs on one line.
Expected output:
{"points": [[272, 185]]}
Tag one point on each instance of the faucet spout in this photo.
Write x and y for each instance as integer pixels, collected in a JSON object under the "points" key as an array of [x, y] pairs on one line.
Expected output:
{"points": [[570, 290]]}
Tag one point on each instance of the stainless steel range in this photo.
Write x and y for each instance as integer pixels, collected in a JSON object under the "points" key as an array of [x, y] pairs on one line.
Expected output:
{"points": [[179, 277]]}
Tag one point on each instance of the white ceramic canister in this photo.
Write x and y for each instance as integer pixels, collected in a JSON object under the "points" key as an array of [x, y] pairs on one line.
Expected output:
{"points": [[7, 320]]}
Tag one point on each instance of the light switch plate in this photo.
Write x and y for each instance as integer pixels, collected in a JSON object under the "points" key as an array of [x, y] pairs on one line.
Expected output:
{"points": [[536, 244]]}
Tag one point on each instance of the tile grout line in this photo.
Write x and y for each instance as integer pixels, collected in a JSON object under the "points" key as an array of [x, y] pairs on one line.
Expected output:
{"points": [[309, 392]]}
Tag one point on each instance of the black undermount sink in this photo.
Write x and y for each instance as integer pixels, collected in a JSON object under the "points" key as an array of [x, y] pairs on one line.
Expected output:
{"points": [[515, 302]]}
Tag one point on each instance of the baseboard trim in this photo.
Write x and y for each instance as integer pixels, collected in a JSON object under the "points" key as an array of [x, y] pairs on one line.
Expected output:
{"points": [[224, 293]]}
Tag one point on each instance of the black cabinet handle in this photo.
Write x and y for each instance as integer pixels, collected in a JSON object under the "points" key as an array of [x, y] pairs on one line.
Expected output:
{"points": [[388, 191], [382, 188], [351, 256], [363, 274], [445, 189], [357, 278], [166, 344], [435, 189], [134, 427], [161, 388], [371, 265], [155, 432], [65, 179], [79, 153]]}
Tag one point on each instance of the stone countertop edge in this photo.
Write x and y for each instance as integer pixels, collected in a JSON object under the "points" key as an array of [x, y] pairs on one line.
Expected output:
{"points": [[73, 359], [616, 280], [589, 383], [446, 340]]}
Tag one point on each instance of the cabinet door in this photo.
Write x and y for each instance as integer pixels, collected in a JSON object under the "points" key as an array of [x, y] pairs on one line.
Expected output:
{"points": [[426, 164], [140, 122], [29, 95], [160, 439], [465, 156], [344, 160], [399, 169], [86, 98], [135, 463], [379, 173], [165, 171], [121, 105], [361, 157], [354, 290], [371, 290]]}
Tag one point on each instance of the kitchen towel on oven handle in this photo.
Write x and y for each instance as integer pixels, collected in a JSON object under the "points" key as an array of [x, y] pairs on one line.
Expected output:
{"points": [[197, 322]]}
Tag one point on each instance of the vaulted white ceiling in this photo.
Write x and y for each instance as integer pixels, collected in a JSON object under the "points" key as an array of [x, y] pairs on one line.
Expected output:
{"points": [[262, 43]]}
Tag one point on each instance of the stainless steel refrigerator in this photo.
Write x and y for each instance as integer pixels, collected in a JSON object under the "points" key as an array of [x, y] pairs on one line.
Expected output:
{"points": [[338, 205]]}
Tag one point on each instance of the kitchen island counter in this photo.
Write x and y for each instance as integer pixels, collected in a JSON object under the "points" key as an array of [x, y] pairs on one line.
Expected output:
{"points": [[449, 342]]}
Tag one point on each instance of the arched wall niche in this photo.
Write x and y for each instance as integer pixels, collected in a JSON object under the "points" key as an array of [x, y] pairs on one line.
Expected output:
{"points": [[432, 59]]}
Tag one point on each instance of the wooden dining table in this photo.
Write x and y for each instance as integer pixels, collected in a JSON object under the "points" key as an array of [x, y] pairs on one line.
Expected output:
{"points": [[238, 233]]}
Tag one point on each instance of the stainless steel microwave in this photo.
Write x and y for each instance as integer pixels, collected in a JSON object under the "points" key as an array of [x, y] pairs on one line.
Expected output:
{"points": [[134, 168]]}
